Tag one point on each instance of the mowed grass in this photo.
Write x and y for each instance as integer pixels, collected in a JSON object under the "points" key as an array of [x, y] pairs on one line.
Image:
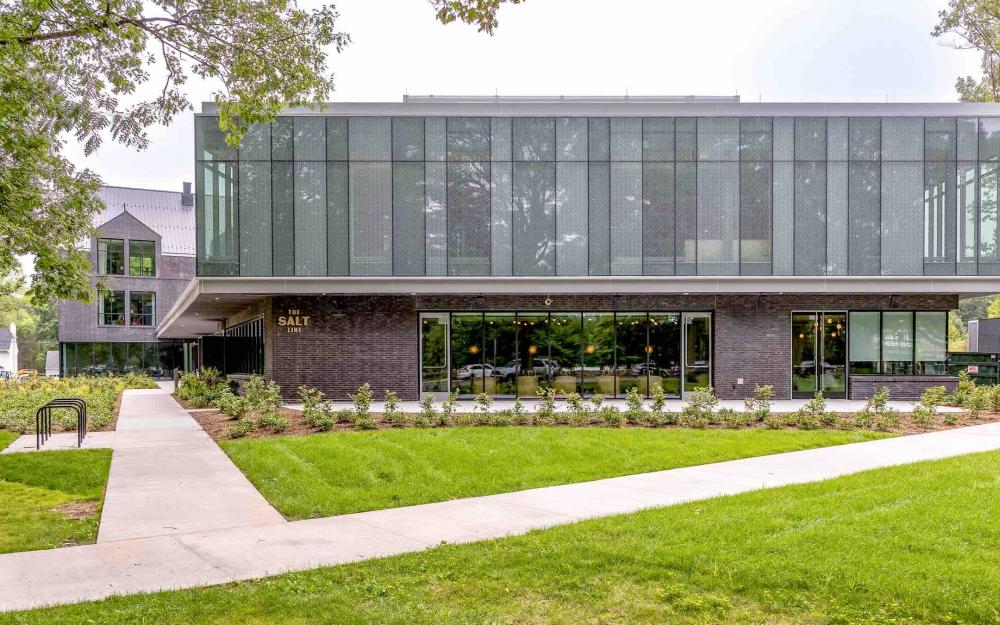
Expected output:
{"points": [[6, 438], [908, 545], [328, 474], [51, 498]]}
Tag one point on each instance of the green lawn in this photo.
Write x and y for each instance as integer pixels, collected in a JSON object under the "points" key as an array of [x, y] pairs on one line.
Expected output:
{"points": [[6, 438], [907, 545], [324, 475], [51, 498]]}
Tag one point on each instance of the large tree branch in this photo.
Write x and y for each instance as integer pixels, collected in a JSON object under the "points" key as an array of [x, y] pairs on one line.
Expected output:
{"points": [[103, 24]]}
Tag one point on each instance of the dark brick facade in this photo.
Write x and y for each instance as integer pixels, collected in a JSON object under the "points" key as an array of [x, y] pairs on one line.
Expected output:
{"points": [[352, 340], [900, 386]]}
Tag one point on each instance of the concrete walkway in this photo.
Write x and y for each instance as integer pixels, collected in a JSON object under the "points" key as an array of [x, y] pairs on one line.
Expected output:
{"points": [[61, 441], [169, 477], [185, 549]]}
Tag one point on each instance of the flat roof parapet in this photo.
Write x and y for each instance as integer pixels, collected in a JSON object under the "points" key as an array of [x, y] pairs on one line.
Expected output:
{"points": [[588, 99]]}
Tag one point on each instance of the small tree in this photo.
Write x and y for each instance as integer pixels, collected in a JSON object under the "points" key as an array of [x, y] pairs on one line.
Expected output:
{"points": [[391, 412], [428, 414], [635, 412]]}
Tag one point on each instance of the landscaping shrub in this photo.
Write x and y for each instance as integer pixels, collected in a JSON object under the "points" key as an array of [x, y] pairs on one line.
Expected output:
{"points": [[483, 404], [758, 406], [545, 411], [925, 412], [635, 412], [315, 411], [608, 414], [391, 412], [658, 416], [877, 414], [20, 399], [202, 388], [814, 413], [731, 418], [240, 429], [776, 421], [697, 413], [578, 412], [272, 420], [362, 401], [977, 400], [448, 408], [428, 415], [233, 405], [520, 414]]}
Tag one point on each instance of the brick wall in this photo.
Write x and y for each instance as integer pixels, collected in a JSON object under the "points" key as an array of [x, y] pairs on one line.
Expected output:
{"points": [[907, 387], [351, 340]]}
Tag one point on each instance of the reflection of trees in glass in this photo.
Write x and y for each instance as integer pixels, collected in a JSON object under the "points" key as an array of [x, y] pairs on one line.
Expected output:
{"points": [[469, 218], [534, 218], [988, 211], [466, 349], [565, 333]]}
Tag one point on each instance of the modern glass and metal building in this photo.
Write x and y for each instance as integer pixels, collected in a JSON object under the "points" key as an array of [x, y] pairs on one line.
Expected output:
{"points": [[597, 244]]}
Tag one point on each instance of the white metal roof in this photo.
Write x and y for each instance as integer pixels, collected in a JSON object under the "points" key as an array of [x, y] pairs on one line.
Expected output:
{"points": [[162, 211]]}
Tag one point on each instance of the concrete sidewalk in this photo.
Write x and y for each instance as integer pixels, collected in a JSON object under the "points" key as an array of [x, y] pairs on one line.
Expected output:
{"points": [[169, 477], [196, 558]]}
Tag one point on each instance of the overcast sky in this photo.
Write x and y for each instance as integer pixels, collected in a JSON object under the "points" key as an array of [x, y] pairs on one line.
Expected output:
{"points": [[771, 50]]}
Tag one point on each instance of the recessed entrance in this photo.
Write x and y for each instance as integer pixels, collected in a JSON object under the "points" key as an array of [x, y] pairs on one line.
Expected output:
{"points": [[819, 354]]}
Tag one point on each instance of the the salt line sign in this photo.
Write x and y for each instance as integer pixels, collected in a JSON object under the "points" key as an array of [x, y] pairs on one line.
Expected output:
{"points": [[294, 321]]}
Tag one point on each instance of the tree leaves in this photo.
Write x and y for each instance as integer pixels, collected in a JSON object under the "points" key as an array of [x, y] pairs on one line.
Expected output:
{"points": [[479, 13], [976, 25]]}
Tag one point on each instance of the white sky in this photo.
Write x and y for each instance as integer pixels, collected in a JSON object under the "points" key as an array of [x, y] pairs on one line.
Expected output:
{"points": [[775, 50]]}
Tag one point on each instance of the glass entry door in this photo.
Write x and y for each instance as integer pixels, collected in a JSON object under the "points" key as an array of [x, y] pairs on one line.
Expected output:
{"points": [[697, 350], [819, 354], [434, 338]]}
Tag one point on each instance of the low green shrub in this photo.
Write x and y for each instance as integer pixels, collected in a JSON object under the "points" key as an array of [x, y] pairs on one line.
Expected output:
{"points": [[577, 409], [233, 405], [977, 400], [240, 429], [966, 386], [315, 411], [484, 403], [731, 418], [520, 414], [777, 421], [428, 414], [699, 409], [545, 410], [391, 412], [362, 401], [202, 388], [814, 414], [877, 414], [931, 399], [273, 421], [635, 412], [448, 409], [758, 406], [607, 414]]}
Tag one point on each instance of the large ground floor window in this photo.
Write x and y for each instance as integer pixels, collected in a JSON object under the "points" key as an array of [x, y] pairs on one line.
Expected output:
{"points": [[157, 359], [899, 342], [513, 354]]}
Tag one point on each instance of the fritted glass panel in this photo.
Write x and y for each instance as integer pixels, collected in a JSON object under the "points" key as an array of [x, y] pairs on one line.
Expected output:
{"points": [[338, 219], [310, 138], [336, 138], [369, 139], [283, 219], [534, 206], [565, 338], [931, 348], [500, 354], [784, 217], [755, 218], [436, 219], [836, 139], [599, 141], [864, 334], [836, 218], [658, 139], [658, 219], [407, 138], [256, 144], [989, 254], [940, 139], [902, 138], [626, 139], [534, 138], [217, 219], [371, 218], [686, 139], [810, 138], [210, 142], [626, 218], [468, 138], [536, 367], [501, 252], [631, 355], [968, 219], [686, 234], [784, 138], [864, 138], [897, 342], [718, 218], [408, 201], [940, 218], [810, 215], [435, 138], [282, 131], [755, 138], [255, 218], [599, 219], [989, 138], [665, 352], [718, 139], [571, 219], [500, 138], [469, 217], [863, 207], [902, 217], [571, 139], [310, 219], [598, 374], [467, 368], [968, 138]]}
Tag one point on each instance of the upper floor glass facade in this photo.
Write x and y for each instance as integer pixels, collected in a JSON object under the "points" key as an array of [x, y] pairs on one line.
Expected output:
{"points": [[317, 195]]}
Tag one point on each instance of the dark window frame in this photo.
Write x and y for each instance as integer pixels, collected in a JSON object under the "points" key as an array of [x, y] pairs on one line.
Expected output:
{"points": [[149, 254], [105, 255], [111, 318], [881, 325], [141, 316]]}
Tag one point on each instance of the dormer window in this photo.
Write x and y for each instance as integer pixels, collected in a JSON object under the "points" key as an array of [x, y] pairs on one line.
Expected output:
{"points": [[142, 258], [111, 257]]}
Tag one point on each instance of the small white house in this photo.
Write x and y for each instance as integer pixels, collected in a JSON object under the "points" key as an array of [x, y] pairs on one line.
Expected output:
{"points": [[8, 352]]}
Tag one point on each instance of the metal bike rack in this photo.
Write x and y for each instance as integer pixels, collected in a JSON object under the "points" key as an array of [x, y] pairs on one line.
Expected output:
{"points": [[43, 419]]}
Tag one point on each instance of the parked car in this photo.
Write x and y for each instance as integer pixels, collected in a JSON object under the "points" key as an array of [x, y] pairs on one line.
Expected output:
{"points": [[543, 367], [474, 371], [509, 370]]}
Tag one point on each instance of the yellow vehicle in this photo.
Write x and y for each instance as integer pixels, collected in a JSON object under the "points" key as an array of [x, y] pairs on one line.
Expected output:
{"points": [[26, 373]]}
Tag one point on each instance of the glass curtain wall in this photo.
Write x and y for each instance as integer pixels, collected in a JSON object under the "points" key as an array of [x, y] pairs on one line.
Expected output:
{"points": [[898, 342], [157, 359]]}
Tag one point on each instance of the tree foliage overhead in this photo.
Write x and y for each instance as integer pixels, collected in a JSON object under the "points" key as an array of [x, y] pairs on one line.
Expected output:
{"points": [[974, 25], [480, 13]]}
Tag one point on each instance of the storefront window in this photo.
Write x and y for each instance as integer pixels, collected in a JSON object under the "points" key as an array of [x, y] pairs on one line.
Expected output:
{"points": [[564, 349], [665, 352], [864, 335], [630, 361], [598, 373], [467, 369], [897, 342], [500, 354], [434, 353], [931, 342], [537, 368]]}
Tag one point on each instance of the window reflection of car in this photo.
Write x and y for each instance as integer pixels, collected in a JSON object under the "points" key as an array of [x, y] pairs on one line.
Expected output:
{"points": [[509, 370], [474, 371], [809, 365], [545, 367]]}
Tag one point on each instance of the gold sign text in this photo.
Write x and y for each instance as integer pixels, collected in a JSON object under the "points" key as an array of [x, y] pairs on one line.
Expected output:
{"points": [[294, 321]]}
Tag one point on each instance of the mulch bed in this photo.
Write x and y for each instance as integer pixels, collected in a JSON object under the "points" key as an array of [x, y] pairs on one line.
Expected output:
{"points": [[217, 424]]}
